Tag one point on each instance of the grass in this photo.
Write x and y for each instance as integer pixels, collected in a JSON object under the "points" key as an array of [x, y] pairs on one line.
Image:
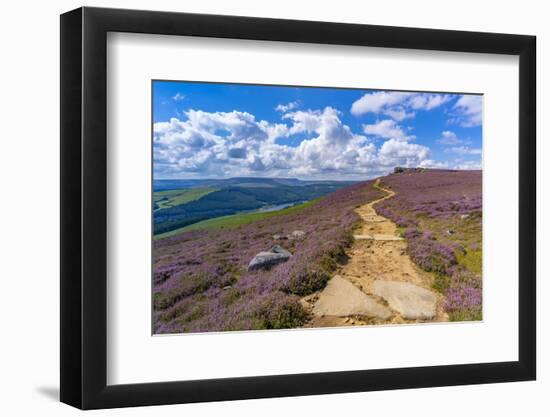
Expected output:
{"points": [[467, 231], [171, 198], [470, 260], [236, 220], [441, 282], [466, 315]]}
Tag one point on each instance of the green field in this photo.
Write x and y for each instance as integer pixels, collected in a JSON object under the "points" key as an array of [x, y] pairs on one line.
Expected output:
{"points": [[171, 198], [236, 220]]}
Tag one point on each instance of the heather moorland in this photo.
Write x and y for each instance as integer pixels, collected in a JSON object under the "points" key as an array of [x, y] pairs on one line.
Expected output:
{"points": [[343, 258]]}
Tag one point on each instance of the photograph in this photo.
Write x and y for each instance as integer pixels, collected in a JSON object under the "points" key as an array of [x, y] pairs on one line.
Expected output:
{"points": [[285, 207]]}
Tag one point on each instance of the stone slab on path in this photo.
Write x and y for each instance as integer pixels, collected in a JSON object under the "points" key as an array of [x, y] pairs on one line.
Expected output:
{"points": [[381, 238], [411, 301], [374, 219], [341, 298]]}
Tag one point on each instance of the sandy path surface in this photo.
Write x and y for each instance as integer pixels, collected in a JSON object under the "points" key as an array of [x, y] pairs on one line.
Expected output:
{"points": [[381, 270]]}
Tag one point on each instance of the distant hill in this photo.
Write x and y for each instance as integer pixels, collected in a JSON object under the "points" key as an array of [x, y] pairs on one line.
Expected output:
{"points": [[179, 203], [164, 185]]}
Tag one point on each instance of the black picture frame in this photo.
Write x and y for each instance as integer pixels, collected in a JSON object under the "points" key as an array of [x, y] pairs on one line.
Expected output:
{"points": [[84, 207]]}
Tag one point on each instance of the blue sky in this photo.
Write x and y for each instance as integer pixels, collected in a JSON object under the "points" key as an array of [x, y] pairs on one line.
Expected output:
{"points": [[209, 130]]}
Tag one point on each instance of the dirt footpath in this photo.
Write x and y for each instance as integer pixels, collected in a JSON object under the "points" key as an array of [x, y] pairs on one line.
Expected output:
{"points": [[386, 286]]}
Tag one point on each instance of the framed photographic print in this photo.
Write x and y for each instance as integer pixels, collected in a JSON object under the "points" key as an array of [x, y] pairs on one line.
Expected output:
{"points": [[257, 208]]}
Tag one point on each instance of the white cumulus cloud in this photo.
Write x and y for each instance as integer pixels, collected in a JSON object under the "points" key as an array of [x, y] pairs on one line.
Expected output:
{"points": [[397, 105], [378, 101], [397, 152], [386, 129], [449, 138], [178, 97], [468, 111], [224, 144], [465, 150], [430, 163], [424, 101], [283, 108], [468, 165]]}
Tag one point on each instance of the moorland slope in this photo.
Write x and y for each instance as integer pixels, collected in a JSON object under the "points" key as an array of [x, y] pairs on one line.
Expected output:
{"points": [[419, 229]]}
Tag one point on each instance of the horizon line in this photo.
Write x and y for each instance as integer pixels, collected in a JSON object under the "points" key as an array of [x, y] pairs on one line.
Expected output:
{"points": [[302, 179]]}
